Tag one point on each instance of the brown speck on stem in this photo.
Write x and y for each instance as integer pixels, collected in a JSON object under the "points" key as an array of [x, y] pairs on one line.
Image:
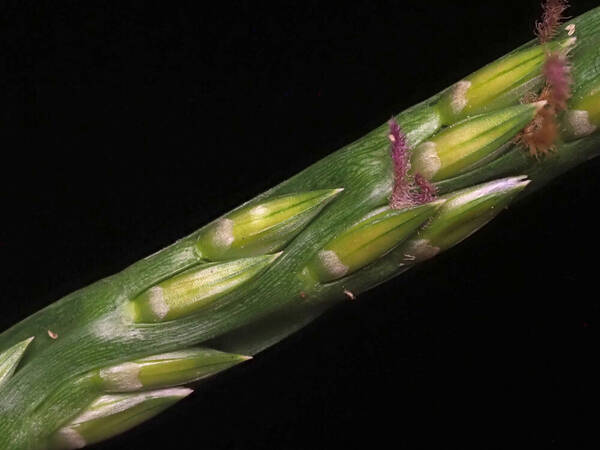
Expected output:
{"points": [[302, 294], [52, 334], [349, 294]]}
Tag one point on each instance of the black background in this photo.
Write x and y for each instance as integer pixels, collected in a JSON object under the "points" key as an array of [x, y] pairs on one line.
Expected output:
{"points": [[138, 122]]}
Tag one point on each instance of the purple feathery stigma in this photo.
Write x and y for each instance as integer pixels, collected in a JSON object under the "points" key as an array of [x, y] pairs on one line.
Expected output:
{"points": [[427, 191], [558, 77], [401, 193], [552, 17], [408, 190], [400, 150]]}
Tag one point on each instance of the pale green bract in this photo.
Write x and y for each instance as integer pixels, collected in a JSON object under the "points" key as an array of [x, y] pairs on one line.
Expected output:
{"points": [[10, 358]]}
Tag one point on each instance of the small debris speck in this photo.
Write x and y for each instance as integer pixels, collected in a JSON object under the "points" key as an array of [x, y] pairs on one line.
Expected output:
{"points": [[52, 334], [570, 29]]}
